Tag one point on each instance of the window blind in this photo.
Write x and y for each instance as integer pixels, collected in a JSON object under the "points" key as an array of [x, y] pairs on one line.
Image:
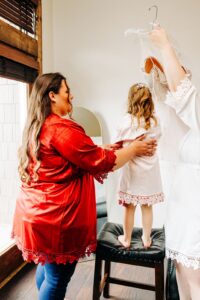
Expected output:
{"points": [[21, 13], [13, 70]]}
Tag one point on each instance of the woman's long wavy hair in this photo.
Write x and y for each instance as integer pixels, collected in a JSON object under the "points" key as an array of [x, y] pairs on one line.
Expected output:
{"points": [[39, 107], [140, 104]]}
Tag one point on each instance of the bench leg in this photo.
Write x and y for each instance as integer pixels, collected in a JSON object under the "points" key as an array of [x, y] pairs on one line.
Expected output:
{"points": [[97, 279], [159, 281], [106, 276]]}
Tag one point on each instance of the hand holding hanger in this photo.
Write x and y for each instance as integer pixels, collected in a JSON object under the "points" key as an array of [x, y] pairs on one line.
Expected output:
{"points": [[173, 69], [159, 37]]}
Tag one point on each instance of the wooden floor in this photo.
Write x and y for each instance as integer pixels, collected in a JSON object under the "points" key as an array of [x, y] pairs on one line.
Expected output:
{"points": [[23, 287]]}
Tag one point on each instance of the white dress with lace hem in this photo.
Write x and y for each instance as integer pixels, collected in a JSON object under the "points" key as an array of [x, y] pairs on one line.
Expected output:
{"points": [[140, 180]]}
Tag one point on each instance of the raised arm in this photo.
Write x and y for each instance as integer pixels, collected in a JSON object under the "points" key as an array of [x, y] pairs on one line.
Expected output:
{"points": [[183, 97], [172, 68]]}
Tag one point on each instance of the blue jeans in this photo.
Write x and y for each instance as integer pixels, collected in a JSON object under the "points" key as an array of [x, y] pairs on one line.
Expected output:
{"points": [[52, 280]]}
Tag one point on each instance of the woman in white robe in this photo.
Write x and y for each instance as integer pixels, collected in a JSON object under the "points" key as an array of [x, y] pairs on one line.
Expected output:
{"points": [[183, 221]]}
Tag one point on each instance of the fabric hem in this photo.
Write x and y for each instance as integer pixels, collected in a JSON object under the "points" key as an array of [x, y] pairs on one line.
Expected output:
{"points": [[125, 198], [58, 258], [187, 261]]}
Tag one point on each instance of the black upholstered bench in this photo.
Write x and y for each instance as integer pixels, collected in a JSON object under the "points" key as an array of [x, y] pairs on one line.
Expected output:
{"points": [[101, 212], [110, 250]]}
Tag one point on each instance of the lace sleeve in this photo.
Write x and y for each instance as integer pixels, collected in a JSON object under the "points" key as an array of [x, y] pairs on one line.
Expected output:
{"points": [[183, 88], [186, 102]]}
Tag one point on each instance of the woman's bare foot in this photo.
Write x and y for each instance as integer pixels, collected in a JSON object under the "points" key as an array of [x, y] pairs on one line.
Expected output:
{"points": [[123, 241], [147, 242]]}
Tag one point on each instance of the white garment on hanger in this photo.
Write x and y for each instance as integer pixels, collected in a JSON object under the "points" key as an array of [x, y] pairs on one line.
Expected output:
{"points": [[147, 48]]}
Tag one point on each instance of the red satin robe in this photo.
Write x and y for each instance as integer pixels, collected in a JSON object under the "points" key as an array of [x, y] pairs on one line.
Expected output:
{"points": [[55, 217]]}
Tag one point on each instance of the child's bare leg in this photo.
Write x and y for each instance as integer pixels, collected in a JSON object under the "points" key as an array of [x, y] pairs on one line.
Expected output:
{"points": [[147, 221], [125, 239]]}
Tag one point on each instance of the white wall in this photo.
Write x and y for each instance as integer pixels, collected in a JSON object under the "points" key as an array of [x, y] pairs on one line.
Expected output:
{"points": [[47, 36], [84, 39]]}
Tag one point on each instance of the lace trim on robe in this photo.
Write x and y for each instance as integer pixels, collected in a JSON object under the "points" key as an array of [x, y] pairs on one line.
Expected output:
{"points": [[109, 164], [182, 89], [41, 257], [125, 198], [187, 261]]}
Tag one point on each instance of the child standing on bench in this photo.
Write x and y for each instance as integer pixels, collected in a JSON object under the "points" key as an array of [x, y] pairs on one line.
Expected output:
{"points": [[140, 181]]}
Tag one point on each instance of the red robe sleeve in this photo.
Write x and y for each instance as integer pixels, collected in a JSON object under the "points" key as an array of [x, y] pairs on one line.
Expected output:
{"points": [[75, 146]]}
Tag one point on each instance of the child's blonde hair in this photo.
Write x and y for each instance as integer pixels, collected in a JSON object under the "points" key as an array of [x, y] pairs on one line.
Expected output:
{"points": [[140, 104]]}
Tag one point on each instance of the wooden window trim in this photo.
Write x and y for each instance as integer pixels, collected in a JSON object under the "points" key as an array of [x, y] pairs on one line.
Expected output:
{"points": [[20, 13], [11, 262], [17, 39], [39, 34], [36, 2], [19, 47], [18, 56]]}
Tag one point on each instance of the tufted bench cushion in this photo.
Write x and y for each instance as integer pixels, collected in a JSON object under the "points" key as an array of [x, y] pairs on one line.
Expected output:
{"points": [[109, 247], [110, 250]]}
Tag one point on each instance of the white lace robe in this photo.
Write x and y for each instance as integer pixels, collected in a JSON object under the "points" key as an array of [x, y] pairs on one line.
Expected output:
{"points": [[183, 214], [140, 180], [183, 218]]}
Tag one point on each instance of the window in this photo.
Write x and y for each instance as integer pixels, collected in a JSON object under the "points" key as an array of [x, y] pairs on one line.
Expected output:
{"points": [[20, 63], [12, 115], [20, 13]]}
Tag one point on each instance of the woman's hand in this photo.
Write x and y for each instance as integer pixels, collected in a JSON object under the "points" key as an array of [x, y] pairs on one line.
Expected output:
{"points": [[172, 68], [144, 147], [159, 37], [139, 147]]}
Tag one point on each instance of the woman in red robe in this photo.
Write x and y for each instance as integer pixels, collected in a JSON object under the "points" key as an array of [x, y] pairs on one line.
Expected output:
{"points": [[55, 216]]}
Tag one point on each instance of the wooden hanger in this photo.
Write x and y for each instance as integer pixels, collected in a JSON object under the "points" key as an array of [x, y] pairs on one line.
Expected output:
{"points": [[150, 62]]}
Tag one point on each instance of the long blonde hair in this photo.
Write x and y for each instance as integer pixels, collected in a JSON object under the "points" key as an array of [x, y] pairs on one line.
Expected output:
{"points": [[140, 104], [39, 107]]}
